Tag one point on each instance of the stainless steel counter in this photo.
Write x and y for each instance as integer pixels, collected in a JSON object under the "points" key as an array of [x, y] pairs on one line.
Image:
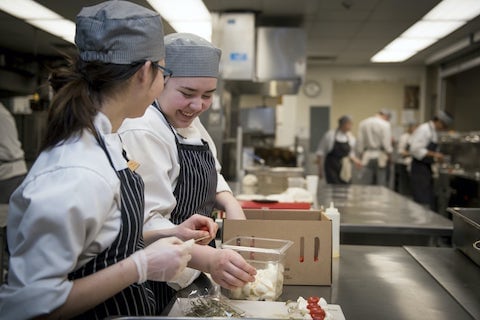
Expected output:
{"points": [[373, 282], [375, 215], [455, 272]]}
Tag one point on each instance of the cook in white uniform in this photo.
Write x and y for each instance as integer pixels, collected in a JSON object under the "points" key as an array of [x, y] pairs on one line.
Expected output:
{"points": [[177, 157], [374, 144], [12, 163], [181, 179], [337, 148], [75, 223], [424, 149]]}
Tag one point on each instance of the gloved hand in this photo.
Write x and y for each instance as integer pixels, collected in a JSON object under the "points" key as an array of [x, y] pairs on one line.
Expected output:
{"points": [[163, 260], [196, 227], [230, 270]]}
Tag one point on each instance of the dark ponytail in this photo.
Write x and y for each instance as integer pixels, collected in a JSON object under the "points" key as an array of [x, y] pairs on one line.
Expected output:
{"points": [[80, 87]]}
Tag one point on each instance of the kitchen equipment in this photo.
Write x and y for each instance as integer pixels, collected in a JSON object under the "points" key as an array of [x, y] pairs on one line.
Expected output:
{"points": [[267, 256], [466, 231], [273, 180]]}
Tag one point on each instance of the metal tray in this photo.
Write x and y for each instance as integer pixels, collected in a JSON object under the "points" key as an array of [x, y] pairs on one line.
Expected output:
{"points": [[466, 231]]}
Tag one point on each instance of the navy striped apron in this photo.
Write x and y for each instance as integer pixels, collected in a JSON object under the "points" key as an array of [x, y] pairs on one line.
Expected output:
{"points": [[195, 192], [196, 187], [137, 299]]}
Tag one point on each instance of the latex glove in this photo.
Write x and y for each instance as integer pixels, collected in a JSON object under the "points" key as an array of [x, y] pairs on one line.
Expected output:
{"points": [[230, 270], [196, 227], [163, 260]]}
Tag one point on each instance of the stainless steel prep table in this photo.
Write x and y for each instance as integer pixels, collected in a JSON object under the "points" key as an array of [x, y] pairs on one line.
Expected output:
{"points": [[376, 215], [377, 282], [455, 272]]}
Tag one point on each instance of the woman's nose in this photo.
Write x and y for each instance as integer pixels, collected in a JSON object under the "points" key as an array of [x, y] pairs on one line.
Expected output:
{"points": [[196, 104]]}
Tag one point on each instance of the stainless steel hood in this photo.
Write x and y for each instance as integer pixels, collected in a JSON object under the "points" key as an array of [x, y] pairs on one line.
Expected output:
{"points": [[269, 61], [269, 88]]}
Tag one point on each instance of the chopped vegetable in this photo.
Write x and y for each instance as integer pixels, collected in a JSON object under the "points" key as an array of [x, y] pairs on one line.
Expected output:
{"points": [[206, 308]]}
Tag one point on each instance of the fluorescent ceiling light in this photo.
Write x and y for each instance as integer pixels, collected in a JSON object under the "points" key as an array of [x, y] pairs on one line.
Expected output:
{"points": [[185, 16], [41, 17], [443, 19], [432, 29], [454, 10], [409, 44]]}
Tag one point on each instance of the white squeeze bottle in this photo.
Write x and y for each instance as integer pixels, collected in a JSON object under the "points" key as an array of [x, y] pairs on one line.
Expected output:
{"points": [[334, 215]]}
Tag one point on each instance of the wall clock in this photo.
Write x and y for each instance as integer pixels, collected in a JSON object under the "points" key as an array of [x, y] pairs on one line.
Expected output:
{"points": [[311, 88]]}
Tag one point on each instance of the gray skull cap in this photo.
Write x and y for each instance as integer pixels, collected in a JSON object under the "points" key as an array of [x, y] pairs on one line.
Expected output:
{"points": [[189, 55], [119, 32]]}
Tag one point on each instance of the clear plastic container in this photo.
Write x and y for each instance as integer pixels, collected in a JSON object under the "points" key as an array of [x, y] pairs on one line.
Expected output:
{"points": [[267, 256]]}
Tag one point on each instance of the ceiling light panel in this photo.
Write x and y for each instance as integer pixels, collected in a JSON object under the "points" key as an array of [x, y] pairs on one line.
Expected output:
{"points": [[443, 19]]}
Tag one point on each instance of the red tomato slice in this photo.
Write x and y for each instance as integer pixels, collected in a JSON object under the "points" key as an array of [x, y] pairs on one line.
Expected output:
{"points": [[317, 312], [313, 299]]}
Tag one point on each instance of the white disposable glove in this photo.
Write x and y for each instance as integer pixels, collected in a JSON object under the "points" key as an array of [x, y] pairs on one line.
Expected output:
{"points": [[163, 260]]}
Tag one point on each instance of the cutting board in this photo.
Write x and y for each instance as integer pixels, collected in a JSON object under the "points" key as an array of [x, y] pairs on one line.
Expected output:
{"points": [[263, 309]]}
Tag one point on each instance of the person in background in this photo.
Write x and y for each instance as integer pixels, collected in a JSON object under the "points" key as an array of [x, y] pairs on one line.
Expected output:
{"points": [[336, 152], [404, 160], [374, 144], [75, 223], [12, 162], [403, 146], [424, 150], [177, 157]]}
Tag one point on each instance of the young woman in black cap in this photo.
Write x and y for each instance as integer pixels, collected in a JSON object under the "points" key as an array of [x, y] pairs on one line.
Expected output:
{"points": [[75, 223]]}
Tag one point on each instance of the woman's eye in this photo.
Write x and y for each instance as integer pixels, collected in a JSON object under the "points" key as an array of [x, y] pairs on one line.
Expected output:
{"points": [[206, 97], [186, 95]]}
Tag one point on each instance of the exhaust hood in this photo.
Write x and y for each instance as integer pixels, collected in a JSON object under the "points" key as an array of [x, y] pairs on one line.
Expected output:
{"points": [[270, 61]]}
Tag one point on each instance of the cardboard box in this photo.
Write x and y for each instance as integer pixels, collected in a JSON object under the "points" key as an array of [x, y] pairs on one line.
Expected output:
{"points": [[310, 231]]}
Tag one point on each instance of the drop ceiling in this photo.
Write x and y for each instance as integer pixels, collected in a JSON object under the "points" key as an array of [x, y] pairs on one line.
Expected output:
{"points": [[339, 32]]}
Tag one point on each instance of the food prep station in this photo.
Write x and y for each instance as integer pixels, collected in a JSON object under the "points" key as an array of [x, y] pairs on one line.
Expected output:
{"points": [[381, 282], [407, 263]]}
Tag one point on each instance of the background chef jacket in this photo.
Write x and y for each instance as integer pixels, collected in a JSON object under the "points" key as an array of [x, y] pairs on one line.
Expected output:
{"points": [[374, 136], [12, 163], [150, 141], [421, 138], [328, 141], [65, 212]]}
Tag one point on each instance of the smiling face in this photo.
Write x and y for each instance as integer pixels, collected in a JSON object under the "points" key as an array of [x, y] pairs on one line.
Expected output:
{"points": [[184, 99]]}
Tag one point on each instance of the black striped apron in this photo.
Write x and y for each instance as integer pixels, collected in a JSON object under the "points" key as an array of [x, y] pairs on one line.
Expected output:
{"points": [[333, 161], [137, 299], [195, 192]]}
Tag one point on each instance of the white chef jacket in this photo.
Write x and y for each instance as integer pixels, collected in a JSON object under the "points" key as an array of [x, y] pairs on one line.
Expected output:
{"points": [[150, 142], [66, 211], [420, 139], [12, 163], [327, 142], [374, 136]]}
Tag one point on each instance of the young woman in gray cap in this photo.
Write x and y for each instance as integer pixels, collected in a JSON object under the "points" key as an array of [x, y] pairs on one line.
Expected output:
{"points": [[177, 156], [424, 150], [75, 223]]}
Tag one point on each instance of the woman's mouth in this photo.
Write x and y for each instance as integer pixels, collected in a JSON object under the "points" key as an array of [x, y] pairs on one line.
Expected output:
{"points": [[187, 114]]}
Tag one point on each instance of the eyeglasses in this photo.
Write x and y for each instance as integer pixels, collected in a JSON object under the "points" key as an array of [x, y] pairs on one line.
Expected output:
{"points": [[166, 72]]}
